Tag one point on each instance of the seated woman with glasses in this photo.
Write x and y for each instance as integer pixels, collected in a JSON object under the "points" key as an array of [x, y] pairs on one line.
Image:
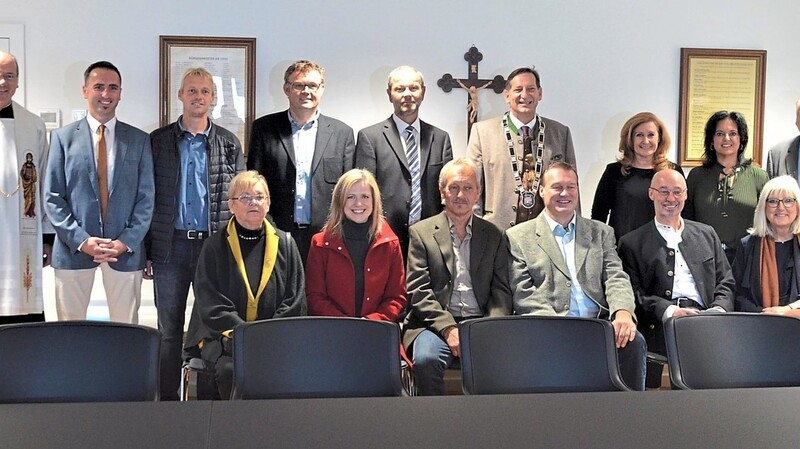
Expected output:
{"points": [[621, 198], [355, 264], [723, 192], [767, 265], [248, 271]]}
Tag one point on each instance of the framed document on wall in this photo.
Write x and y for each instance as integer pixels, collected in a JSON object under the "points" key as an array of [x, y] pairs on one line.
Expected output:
{"points": [[231, 61], [714, 80]]}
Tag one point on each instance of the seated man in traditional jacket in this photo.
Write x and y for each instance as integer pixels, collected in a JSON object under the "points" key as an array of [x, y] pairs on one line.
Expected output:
{"points": [[677, 267]]}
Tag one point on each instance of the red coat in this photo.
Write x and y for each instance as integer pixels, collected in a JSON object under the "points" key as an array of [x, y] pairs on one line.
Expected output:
{"points": [[330, 280]]}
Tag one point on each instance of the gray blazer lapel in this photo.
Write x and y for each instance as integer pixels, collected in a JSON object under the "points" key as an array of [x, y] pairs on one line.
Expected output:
{"points": [[583, 241], [791, 157], [120, 149], [442, 236], [476, 249], [546, 241], [84, 144]]}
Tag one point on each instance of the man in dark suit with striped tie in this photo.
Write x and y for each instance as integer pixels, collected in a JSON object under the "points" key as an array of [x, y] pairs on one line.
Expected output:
{"points": [[406, 155]]}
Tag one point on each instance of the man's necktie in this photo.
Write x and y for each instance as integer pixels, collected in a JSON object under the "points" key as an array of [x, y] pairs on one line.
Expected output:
{"points": [[412, 155], [102, 172], [526, 139]]}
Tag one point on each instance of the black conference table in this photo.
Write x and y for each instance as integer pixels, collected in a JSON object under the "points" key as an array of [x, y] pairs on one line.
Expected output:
{"points": [[751, 418]]}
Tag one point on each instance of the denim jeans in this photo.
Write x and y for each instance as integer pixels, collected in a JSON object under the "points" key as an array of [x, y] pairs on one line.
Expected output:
{"points": [[633, 362], [171, 282], [431, 356]]}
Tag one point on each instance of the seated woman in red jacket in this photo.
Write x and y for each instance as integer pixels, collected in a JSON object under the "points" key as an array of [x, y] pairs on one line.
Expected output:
{"points": [[355, 265]]}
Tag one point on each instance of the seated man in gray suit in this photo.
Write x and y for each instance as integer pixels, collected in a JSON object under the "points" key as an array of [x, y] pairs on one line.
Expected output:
{"points": [[457, 269], [677, 267], [782, 158], [564, 264]]}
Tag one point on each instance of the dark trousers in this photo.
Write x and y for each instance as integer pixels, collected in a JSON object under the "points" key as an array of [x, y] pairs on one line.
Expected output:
{"points": [[171, 282], [633, 362], [302, 237]]}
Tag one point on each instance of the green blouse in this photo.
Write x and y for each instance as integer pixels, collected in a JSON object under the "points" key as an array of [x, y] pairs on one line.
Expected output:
{"points": [[727, 205]]}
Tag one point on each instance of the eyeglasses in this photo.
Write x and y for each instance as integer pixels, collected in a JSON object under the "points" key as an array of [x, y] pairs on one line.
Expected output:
{"points": [[787, 202], [247, 199], [666, 193], [722, 134], [301, 87]]}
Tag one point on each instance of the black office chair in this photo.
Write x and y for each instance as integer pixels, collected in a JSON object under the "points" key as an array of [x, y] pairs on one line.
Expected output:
{"points": [[733, 350], [316, 357], [78, 361], [534, 354]]}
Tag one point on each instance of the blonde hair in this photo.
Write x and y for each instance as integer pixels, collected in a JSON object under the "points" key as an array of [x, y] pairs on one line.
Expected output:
{"points": [[343, 185], [243, 180], [784, 184], [202, 73], [628, 155]]}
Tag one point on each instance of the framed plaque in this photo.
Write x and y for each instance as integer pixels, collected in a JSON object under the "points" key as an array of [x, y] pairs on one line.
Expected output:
{"points": [[714, 80], [231, 61]]}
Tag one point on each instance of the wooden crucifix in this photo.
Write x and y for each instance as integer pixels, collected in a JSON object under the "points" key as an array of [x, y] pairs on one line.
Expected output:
{"points": [[472, 84]]}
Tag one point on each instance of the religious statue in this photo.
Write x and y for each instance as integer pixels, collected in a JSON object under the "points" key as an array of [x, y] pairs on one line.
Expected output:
{"points": [[29, 178]]}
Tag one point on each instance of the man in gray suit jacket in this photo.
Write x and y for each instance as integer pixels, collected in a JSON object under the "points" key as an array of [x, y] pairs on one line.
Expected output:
{"points": [[457, 269], [302, 154], [782, 158], [510, 189], [382, 149], [99, 198], [564, 264]]}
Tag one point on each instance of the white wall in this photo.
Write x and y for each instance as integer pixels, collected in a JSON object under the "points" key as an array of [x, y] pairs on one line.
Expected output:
{"points": [[600, 61]]}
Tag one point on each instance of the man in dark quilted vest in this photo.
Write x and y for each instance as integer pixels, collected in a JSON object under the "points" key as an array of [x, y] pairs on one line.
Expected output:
{"points": [[194, 161]]}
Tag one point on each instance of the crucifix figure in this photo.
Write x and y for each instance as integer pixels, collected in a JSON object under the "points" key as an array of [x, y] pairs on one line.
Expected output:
{"points": [[472, 84]]}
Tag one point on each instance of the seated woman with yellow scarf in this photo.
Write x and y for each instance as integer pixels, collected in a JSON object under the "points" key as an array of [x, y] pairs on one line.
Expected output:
{"points": [[249, 271]]}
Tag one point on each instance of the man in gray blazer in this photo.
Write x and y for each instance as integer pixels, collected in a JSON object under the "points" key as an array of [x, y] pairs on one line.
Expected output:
{"points": [[782, 158], [99, 198], [302, 154], [457, 269], [566, 265], [383, 150], [510, 186]]}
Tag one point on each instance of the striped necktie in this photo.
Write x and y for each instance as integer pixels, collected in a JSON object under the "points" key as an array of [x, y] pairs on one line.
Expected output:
{"points": [[412, 155]]}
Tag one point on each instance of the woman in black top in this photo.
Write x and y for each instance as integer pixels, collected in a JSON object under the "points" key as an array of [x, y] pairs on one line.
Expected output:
{"points": [[621, 197]]}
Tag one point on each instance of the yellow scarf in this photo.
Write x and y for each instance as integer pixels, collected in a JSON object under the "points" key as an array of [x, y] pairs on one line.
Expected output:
{"points": [[270, 255]]}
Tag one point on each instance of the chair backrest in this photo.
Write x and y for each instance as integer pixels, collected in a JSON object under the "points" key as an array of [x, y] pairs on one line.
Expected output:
{"points": [[535, 354], [733, 350], [78, 361], [316, 357]]}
